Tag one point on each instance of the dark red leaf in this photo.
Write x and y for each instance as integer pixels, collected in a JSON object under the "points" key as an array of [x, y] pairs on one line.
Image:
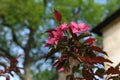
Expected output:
{"points": [[95, 48], [7, 77], [91, 54], [13, 62], [85, 34], [94, 60], [100, 60], [56, 63], [60, 64], [112, 70], [52, 51], [84, 59], [74, 36], [72, 77], [87, 75], [57, 16], [100, 72], [90, 41]]}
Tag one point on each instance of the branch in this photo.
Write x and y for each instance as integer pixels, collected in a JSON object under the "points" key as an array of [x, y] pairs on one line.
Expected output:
{"points": [[37, 58], [28, 45], [5, 53], [53, 58], [75, 14], [45, 3], [13, 33]]}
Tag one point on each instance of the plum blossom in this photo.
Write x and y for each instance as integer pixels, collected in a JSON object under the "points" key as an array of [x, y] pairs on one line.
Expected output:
{"points": [[54, 36], [63, 26], [77, 28]]}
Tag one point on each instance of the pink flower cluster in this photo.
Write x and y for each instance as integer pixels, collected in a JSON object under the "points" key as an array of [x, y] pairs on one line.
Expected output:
{"points": [[77, 28], [58, 33]]}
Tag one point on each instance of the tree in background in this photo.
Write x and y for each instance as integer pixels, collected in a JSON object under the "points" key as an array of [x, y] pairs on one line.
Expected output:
{"points": [[23, 22]]}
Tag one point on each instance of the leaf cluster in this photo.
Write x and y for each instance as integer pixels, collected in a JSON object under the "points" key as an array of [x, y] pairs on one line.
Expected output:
{"points": [[77, 51], [10, 66]]}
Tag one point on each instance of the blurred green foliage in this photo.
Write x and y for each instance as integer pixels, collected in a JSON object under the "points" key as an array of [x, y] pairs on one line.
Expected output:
{"points": [[36, 12], [45, 75]]}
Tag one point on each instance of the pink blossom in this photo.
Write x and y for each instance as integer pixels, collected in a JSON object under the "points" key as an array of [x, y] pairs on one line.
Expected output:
{"points": [[64, 70], [77, 28], [54, 36], [63, 26], [83, 27], [51, 41], [58, 33]]}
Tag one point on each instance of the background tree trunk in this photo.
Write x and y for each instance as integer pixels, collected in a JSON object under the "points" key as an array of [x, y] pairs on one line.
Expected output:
{"points": [[28, 74]]}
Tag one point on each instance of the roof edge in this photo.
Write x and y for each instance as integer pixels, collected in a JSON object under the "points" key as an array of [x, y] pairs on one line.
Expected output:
{"points": [[105, 22]]}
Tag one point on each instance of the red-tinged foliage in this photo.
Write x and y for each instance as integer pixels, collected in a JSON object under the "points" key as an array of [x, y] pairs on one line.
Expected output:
{"points": [[101, 60], [112, 70], [94, 60], [8, 69], [95, 48], [72, 77], [76, 52], [85, 34], [90, 41], [54, 64], [61, 64], [13, 62], [7, 77], [52, 52], [57, 16], [100, 72], [73, 35], [87, 75]]}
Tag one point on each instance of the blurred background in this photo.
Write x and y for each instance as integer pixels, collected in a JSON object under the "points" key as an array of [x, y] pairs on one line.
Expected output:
{"points": [[23, 24]]}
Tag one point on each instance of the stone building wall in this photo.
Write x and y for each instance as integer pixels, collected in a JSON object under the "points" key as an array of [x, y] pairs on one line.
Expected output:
{"points": [[111, 41]]}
